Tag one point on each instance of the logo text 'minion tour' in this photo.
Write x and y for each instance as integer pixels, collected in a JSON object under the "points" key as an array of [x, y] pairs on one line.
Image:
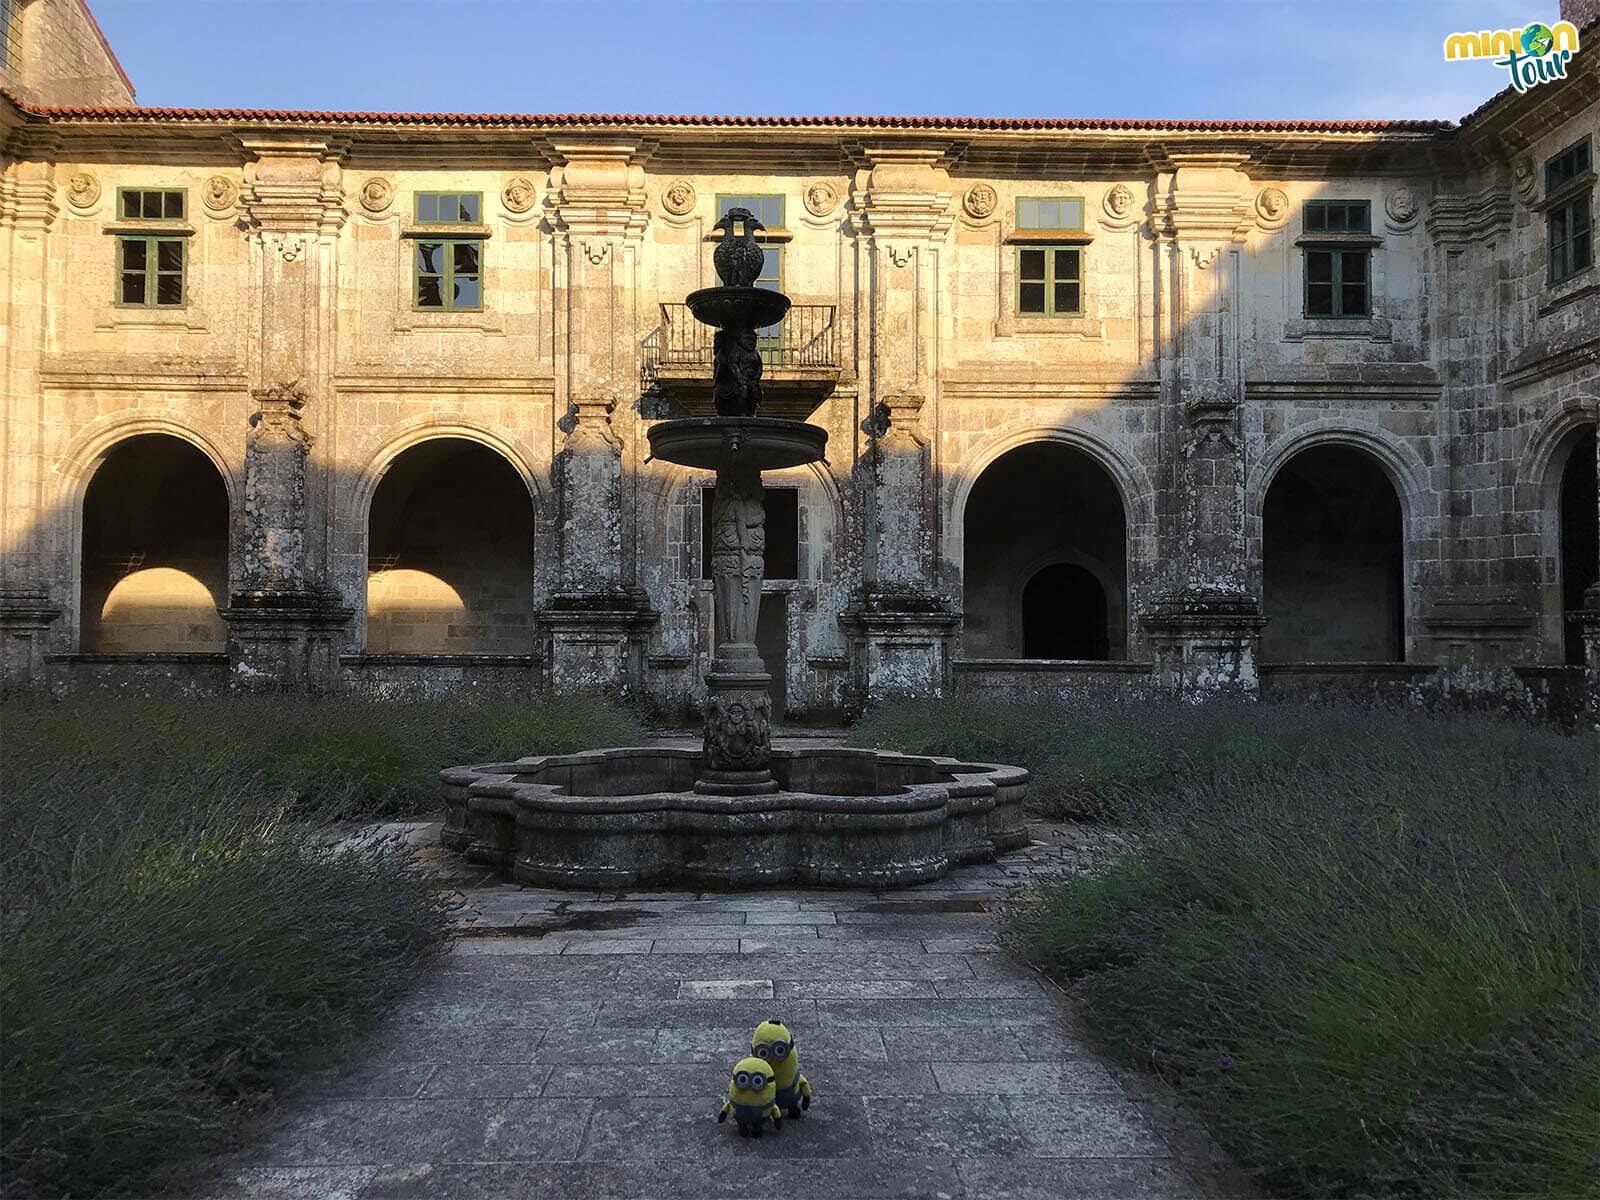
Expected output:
{"points": [[1535, 54]]}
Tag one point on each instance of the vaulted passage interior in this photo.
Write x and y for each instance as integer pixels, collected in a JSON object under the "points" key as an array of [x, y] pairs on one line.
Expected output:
{"points": [[1580, 538], [1333, 557], [450, 554], [155, 551], [1045, 541]]}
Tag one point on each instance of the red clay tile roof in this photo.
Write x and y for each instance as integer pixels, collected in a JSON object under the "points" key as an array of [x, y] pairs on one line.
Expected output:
{"points": [[545, 120]]}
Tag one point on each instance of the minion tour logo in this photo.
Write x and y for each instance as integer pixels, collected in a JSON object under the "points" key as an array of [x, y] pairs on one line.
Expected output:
{"points": [[1532, 55]]}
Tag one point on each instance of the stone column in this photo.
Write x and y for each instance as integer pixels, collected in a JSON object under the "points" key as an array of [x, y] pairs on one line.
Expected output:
{"points": [[738, 724], [28, 604], [594, 625], [282, 625], [900, 627], [1591, 654], [285, 623], [597, 620], [1205, 628]]}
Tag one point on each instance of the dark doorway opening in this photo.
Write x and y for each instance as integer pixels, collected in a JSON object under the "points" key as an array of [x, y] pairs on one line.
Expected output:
{"points": [[1065, 615], [1333, 556]]}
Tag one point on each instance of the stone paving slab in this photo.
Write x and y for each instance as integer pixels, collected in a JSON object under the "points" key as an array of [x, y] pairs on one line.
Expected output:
{"points": [[577, 1047]]}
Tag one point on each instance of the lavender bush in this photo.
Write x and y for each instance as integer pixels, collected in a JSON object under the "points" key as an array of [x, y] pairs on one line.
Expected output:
{"points": [[1364, 944], [178, 937]]}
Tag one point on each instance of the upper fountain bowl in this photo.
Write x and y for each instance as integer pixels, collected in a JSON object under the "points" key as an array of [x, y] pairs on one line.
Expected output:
{"points": [[738, 307]]}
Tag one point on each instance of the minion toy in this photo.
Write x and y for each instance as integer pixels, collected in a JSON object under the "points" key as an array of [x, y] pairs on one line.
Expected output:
{"points": [[774, 1044], [751, 1092]]}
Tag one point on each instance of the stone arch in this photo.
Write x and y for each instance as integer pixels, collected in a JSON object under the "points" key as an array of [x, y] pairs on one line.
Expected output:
{"points": [[1541, 472], [1333, 556], [676, 488], [1018, 538], [1405, 470], [1133, 483], [413, 433], [92, 444], [151, 534], [449, 530]]}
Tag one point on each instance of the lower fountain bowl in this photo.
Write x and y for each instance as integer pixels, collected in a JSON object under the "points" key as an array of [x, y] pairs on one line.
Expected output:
{"points": [[714, 443], [630, 818]]}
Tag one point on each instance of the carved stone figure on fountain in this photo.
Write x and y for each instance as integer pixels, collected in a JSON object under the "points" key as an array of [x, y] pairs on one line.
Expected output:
{"points": [[736, 373], [738, 554], [738, 733], [738, 258]]}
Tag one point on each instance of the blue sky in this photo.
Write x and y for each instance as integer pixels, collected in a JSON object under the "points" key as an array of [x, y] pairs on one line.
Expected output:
{"points": [[1130, 58]]}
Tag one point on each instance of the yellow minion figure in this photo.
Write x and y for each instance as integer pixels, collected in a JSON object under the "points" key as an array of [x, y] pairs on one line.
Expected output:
{"points": [[774, 1044], [750, 1098]]}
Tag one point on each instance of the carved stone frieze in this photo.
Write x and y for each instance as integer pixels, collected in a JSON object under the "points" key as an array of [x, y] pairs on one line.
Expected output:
{"points": [[1401, 207], [679, 197], [377, 194], [1272, 207], [980, 202], [219, 195], [821, 198], [83, 191], [738, 731], [1118, 201], [518, 194], [1525, 177]]}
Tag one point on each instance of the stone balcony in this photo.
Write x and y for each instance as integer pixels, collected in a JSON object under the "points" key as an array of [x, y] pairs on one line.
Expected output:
{"points": [[800, 355]]}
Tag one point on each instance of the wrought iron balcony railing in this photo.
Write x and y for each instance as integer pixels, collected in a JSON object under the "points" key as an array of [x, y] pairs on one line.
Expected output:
{"points": [[807, 337]]}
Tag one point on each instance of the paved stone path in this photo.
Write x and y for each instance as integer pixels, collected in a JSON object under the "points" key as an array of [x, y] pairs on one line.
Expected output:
{"points": [[577, 1045]]}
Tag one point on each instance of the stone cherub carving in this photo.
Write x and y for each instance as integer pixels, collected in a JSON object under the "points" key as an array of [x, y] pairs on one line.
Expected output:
{"points": [[736, 375]]}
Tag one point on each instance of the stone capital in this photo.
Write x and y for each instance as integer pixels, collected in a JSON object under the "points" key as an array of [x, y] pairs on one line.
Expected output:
{"points": [[293, 183], [587, 424]]}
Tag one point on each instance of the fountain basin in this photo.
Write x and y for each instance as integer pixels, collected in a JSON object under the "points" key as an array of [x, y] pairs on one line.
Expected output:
{"points": [[716, 443], [629, 817], [738, 307]]}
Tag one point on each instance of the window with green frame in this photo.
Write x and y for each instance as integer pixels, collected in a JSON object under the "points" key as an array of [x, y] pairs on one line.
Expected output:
{"points": [[769, 211], [10, 33], [1338, 276], [151, 267], [1568, 184], [447, 272], [1049, 277]]}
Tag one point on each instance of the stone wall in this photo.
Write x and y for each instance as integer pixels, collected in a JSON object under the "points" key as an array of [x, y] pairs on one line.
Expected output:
{"points": [[62, 57], [1142, 439]]}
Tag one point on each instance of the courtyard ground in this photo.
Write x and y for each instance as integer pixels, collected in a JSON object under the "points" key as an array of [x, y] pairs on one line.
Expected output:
{"points": [[578, 1045]]}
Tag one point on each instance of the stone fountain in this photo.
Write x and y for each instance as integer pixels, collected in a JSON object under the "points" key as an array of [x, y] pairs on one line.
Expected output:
{"points": [[735, 812]]}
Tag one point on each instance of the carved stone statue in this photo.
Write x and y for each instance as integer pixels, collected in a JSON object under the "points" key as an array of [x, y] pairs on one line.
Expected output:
{"points": [[739, 732], [738, 553], [736, 373]]}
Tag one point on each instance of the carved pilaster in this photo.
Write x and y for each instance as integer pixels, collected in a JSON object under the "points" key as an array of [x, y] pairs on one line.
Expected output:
{"points": [[595, 625], [903, 208], [1211, 473], [283, 622]]}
